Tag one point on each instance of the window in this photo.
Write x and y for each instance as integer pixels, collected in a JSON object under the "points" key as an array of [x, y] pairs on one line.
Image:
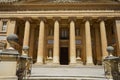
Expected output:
{"points": [[64, 34], [4, 27], [78, 41], [50, 41]]}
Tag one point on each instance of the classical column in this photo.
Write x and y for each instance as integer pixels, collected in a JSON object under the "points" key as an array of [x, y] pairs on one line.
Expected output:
{"points": [[118, 34], [88, 42], [103, 38], [26, 34], [72, 42], [32, 40], [11, 24], [41, 39], [56, 42], [1, 24], [98, 45]]}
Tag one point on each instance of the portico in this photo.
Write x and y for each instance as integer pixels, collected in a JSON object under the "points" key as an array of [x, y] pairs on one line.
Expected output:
{"points": [[65, 41], [70, 35]]}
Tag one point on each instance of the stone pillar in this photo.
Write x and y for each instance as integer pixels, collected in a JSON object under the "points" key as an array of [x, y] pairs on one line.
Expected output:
{"points": [[1, 24], [118, 34], [72, 42], [26, 34], [41, 42], [11, 24], [88, 42], [103, 39], [56, 42], [32, 39], [98, 45]]}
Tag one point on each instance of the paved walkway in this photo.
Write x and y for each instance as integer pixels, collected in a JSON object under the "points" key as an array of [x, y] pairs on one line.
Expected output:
{"points": [[68, 72]]}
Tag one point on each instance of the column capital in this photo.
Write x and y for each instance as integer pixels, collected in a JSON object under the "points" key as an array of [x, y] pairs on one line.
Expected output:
{"points": [[13, 18], [42, 19], [28, 19], [72, 19], [101, 19], [4, 19], [116, 18], [87, 19], [56, 18]]}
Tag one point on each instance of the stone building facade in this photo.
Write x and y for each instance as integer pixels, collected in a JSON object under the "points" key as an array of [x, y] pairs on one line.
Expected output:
{"points": [[62, 31]]}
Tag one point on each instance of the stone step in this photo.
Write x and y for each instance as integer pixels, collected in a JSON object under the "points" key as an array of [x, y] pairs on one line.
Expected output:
{"points": [[64, 78], [74, 72]]}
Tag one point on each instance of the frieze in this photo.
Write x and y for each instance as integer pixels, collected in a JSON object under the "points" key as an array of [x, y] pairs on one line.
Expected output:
{"points": [[35, 5], [55, 1]]}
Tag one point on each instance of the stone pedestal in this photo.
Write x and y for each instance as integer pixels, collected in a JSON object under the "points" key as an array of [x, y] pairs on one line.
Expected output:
{"points": [[8, 70]]}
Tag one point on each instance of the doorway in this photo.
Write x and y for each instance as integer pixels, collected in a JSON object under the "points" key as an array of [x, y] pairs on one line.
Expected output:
{"points": [[64, 57]]}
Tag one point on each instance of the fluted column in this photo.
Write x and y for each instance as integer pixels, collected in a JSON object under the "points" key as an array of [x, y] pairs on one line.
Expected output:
{"points": [[41, 39], [103, 38], [56, 42], [72, 42], [88, 42], [118, 34], [1, 24]]}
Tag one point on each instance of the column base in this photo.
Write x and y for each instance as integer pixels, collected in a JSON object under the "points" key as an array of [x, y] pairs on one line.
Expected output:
{"points": [[89, 61], [72, 60], [55, 60]]}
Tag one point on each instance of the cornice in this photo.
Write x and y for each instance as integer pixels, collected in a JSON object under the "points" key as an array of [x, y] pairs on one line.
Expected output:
{"points": [[60, 6]]}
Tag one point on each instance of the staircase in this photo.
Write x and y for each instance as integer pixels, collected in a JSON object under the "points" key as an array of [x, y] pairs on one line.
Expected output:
{"points": [[46, 72]]}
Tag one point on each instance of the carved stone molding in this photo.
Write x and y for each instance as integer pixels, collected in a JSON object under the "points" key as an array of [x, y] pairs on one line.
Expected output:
{"points": [[42, 19], [27, 19], [102, 19], [72, 19], [56, 18], [87, 19], [116, 18]]}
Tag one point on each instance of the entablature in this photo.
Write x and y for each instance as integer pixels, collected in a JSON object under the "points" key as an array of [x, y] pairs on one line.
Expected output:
{"points": [[65, 6]]}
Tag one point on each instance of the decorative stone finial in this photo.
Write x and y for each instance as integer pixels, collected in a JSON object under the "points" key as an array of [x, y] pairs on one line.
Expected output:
{"points": [[110, 50], [12, 39], [25, 49]]}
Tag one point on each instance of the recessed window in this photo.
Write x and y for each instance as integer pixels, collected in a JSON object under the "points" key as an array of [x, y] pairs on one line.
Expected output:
{"points": [[64, 34], [4, 26], [78, 41], [50, 41]]}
